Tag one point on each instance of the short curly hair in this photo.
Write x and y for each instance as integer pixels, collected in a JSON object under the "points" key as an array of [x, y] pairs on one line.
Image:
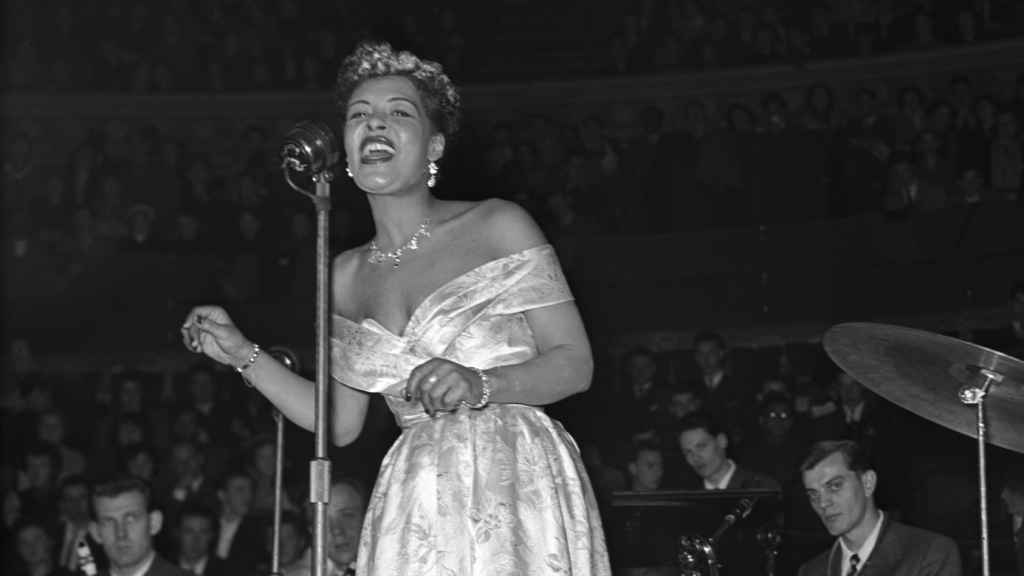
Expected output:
{"points": [[377, 59]]}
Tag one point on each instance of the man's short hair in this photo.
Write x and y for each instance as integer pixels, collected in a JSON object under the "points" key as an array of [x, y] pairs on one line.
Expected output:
{"points": [[232, 474], [644, 446], [121, 485], [774, 398], [708, 336], [26, 522], [1017, 290], [699, 421], [295, 520], [52, 453], [356, 485], [193, 509], [1014, 481], [854, 456], [73, 480], [637, 352]]}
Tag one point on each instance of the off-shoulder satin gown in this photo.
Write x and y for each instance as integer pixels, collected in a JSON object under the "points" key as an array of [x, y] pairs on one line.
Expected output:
{"points": [[497, 491]]}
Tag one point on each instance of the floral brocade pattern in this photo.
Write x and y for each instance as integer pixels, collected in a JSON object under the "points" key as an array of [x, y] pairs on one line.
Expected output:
{"points": [[493, 492]]}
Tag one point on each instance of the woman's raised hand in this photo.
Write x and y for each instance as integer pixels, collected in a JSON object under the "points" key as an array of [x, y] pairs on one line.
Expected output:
{"points": [[209, 330]]}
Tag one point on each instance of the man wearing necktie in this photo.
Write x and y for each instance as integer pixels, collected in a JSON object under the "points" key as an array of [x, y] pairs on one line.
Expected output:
{"points": [[841, 486], [1013, 497]]}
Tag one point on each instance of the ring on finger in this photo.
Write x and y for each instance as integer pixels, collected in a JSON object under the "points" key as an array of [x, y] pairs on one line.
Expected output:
{"points": [[432, 379]]}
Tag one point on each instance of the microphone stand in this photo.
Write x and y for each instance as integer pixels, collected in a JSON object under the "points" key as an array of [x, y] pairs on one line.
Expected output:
{"points": [[320, 466], [310, 147], [290, 361]]}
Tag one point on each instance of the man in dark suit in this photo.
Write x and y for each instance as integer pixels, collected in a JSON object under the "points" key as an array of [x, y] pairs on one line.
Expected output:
{"points": [[239, 540], [705, 445], [196, 528], [124, 522], [1013, 498], [727, 398], [841, 486]]}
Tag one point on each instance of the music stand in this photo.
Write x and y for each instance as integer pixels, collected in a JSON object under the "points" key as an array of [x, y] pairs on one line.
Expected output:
{"points": [[687, 529]]}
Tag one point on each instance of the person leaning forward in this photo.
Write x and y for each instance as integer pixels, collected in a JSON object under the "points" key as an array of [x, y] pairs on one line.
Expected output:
{"points": [[840, 486]]}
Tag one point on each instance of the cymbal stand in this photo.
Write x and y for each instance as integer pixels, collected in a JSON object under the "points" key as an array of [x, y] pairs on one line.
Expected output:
{"points": [[975, 395]]}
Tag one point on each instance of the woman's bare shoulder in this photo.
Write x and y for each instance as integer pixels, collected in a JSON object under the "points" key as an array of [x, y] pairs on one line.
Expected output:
{"points": [[509, 227], [495, 227]]}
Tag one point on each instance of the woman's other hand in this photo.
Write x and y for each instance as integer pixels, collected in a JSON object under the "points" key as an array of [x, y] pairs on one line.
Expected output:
{"points": [[442, 385]]}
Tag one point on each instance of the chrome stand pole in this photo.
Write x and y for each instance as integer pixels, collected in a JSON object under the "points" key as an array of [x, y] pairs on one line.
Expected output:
{"points": [[320, 466], [976, 396]]}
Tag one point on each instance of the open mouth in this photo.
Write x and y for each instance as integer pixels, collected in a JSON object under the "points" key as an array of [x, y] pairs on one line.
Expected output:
{"points": [[376, 149]]}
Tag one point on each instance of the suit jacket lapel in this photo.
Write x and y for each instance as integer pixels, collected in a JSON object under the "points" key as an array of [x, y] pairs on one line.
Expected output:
{"points": [[886, 553], [739, 478], [835, 560]]}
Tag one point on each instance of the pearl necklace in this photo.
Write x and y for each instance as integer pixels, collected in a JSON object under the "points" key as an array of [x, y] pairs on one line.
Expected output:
{"points": [[378, 256]]}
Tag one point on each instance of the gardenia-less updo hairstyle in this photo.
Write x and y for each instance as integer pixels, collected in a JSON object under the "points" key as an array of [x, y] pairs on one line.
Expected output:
{"points": [[377, 59]]}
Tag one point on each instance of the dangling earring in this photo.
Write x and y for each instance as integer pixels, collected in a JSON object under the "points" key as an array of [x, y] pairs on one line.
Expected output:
{"points": [[432, 168], [348, 171]]}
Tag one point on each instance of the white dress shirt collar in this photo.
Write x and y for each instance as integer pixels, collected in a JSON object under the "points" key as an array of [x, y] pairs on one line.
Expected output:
{"points": [[865, 549], [143, 568], [723, 482]]}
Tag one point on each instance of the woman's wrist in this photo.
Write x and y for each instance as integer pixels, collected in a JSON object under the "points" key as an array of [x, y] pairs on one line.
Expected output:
{"points": [[246, 357], [485, 391]]}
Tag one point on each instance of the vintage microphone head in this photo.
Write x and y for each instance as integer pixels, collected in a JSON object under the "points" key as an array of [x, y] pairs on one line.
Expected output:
{"points": [[285, 356], [310, 147]]}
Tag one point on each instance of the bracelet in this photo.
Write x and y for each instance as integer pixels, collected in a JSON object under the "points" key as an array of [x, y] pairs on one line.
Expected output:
{"points": [[485, 394], [256, 351]]}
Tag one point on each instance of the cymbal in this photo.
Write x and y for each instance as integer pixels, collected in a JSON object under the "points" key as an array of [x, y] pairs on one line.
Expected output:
{"points": [[925, 372]]}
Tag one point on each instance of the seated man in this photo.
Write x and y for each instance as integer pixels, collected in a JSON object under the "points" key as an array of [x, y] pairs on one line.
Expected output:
{"points": [[197, 525], [1013, 498], [841, 486], [124, 522], [345, 512], [646, 468], [704, 446], [346, 509]]}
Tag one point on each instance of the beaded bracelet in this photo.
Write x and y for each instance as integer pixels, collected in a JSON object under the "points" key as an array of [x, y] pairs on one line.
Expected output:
{"points": [[256, 351], [485, 394]]}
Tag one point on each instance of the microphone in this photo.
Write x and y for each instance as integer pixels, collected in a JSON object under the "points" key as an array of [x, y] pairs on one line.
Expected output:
{"points": [[285, 356], [741, 511], [309, 147]]}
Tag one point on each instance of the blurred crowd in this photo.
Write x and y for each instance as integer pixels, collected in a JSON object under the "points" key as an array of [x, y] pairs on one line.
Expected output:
{"points": [[229, 45], [142, 218], [205, 448]]}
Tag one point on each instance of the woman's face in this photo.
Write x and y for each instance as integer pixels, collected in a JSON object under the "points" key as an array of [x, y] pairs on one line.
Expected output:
{"points": [[388, 137]]}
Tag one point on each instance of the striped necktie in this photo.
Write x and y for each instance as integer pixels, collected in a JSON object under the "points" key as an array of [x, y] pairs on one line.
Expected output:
{"points": [[854, 566]]}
